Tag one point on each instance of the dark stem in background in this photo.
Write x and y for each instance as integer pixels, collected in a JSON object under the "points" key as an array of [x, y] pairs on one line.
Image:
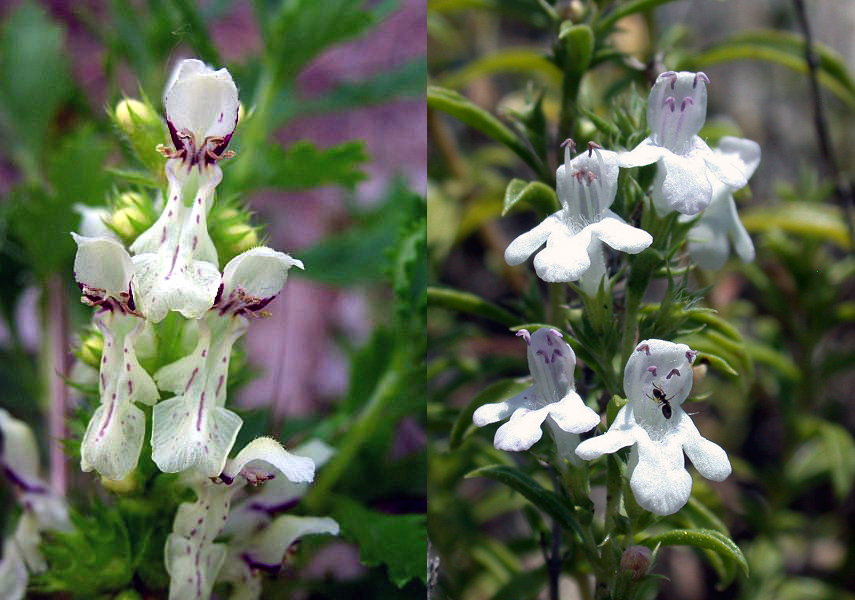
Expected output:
{"points": [[57, 371], [553, 556], [843, 188]]}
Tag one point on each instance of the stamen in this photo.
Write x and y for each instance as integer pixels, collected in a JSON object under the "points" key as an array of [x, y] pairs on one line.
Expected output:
{"points": [[543, 354], [524, 334], [670, 101], [643, 348], [685, 100], [652, 370], [672, 373], [692, 355], [593, 146], [702, 76]]}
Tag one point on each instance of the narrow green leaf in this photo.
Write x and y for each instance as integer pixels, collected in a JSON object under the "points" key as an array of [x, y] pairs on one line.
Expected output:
{"points": [[547, 501], [624, 10], [461, 108], [525, 61], [470, 303], [708, 539], [538, 195], [495, 392], [810, 220], [578, 43], [783, 48]]}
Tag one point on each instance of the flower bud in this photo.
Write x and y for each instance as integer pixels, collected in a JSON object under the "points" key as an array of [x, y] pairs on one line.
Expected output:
{"points": [[132, 114], [130, 217], [241, 113], [127, 484], [241, 237], [636, 560], [91, 349]]}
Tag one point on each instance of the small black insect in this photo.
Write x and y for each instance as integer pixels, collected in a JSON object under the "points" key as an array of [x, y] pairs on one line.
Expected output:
{"points": [[659, 398]]}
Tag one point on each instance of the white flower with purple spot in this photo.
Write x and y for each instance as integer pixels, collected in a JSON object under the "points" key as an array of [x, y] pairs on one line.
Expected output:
{"points": [[194, 429], [657, 380], [719, 227], [552, 398], [575, 234], [193, 559], [687, 168]]}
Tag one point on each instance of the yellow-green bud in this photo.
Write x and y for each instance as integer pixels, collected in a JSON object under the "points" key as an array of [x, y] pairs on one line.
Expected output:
{"points": [[128, 595], [128, 484], [91, 350], [129, 219], [130, 114], [241, 237], [241, 113]]}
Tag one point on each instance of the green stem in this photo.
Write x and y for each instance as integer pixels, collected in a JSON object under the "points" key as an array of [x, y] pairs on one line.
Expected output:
{"points": [[557, 297], [372, 416]]}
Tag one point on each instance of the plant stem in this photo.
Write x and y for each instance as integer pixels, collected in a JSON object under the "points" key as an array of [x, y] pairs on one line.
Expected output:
{"points": [[56, 370]]}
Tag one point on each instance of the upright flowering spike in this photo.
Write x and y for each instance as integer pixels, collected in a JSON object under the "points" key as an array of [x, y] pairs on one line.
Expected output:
{"points": [[201, 112], [175, 262], [676, 111], [41, 509], [657, 379], [574, 235], [552, 397], [114, 437], [719, 226], [193, 560]]}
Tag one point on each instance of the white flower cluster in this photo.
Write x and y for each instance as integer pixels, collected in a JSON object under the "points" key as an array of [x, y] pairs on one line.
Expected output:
{"points": [[173, 267], [691, 179]]}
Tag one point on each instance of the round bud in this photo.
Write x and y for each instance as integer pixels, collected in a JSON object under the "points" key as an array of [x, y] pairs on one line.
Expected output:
{"points": [[241, 237], [129, 219], [91, 350], [130, 114], [636, 561]]}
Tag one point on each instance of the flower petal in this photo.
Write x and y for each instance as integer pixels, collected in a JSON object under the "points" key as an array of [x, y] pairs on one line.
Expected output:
{"points": [[726, 167], [254, 278], [621, 433], [492, 413], [268, 547], [621, 236], [572, 415], [19, 452], [708, 457], [743, 153], [295, 468], [113, 439], [685, 186], [103, 264], [201, 100], [646, 153], [188, 287], [708, 247], [565, 443], [659, 479], [661, 363], [13, 572], [522, 431], [524, 245], [192, 567], [565, 257], [188, 431], [742, 243]]}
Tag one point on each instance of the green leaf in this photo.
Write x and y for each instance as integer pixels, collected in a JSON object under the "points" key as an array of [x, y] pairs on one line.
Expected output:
{"points": [[547, 501], [522, 586], [461, 108], [469, 303], [360, 253], [707, 539], [305, 166], [407, 80], [814, 221], [33, 81], [398, 541], [784, 48], [828, 449], [624, 10], [495, 392], [509, 60], [578, 45], [538, 195], [302, 29]]}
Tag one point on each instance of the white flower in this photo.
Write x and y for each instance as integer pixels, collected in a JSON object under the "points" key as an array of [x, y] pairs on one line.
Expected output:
{"points": [[114, 436], [676, 111], [194, 429], [193, 560], [657, 379], [552, 398], [201, 112], [574, 235], [175, 260], [259, 540], [42, 510], [105, 273], [719, 225]]}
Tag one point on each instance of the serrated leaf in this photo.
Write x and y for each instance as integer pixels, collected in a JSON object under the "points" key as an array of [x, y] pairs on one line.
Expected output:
{"points": [[547, 501], [707, 539], [397, 541], [783, 48], [469, 303], [461, 108], [538, 195], [495, 392], [304, 166]]}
